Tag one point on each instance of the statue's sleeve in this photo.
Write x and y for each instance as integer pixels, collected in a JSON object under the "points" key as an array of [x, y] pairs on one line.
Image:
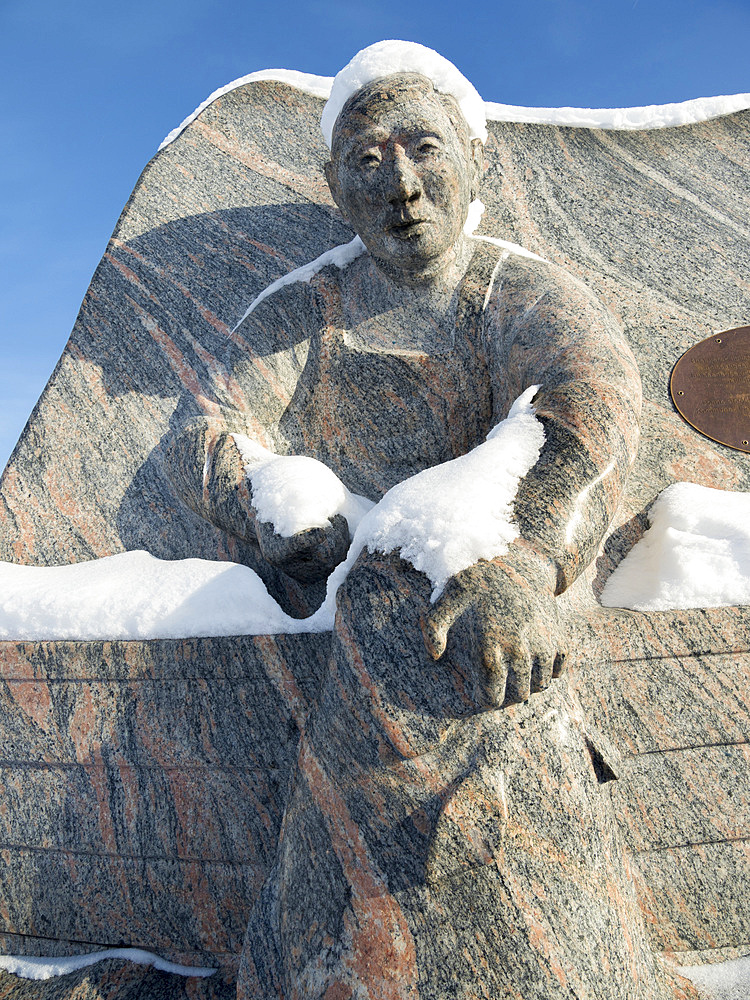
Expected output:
{"points": [[254, 383], [546, 328]]}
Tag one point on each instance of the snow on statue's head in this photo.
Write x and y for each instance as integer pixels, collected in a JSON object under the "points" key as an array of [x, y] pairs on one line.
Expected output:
{"points": [[406, 133], [389, 57]]}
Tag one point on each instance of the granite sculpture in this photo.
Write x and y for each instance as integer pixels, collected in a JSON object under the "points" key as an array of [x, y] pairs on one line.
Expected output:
{"points": [[419, 855], [401, 360]]}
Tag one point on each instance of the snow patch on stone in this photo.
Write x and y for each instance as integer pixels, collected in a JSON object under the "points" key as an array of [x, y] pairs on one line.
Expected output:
{"points": [[294, 492], [473, 217], [391, 56], [652, 116], [28, 967], [723, 981], [511, 248], [340, 256], [133, 595], [695, 554]]}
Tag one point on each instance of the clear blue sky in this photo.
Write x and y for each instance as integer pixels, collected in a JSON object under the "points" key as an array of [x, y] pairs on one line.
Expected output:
{"points": [[91, 88]]}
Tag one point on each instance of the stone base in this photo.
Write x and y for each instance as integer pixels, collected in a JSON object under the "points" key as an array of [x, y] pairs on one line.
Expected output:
{"points": [[142, 788]]}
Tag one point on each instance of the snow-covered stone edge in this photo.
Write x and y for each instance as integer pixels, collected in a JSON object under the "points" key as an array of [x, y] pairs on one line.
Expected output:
{"points": [[722, 980], [627, 119], [47, 967], [443, 520]]}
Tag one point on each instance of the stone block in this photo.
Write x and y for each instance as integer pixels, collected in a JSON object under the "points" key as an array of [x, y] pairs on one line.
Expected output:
{"points": [[144, 783]]}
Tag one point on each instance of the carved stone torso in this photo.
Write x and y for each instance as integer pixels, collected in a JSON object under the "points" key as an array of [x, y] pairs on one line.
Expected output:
{"points": [[386, 394]]}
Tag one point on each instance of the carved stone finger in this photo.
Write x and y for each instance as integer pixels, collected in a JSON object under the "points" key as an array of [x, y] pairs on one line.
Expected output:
{"points": [[518, 686], [496, 673], [561, 664], [542, 671], [435, 628], [437, 622]]}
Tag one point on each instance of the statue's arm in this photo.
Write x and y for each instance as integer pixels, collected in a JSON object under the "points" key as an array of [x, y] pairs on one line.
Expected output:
{"points": [[206, 470], [547, 329], [253, 386], [589, 402], [203, 460]]}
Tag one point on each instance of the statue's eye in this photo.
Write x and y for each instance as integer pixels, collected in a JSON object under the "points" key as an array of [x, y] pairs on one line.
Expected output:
{"points": [[427, 148]]}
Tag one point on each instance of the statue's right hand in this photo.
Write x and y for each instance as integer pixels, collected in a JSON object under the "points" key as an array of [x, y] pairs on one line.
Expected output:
{"points": [[208, 472], [309, 555]]}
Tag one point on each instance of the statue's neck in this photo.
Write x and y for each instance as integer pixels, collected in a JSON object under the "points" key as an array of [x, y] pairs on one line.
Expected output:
{"points": [[435, 279], [403, 315]]}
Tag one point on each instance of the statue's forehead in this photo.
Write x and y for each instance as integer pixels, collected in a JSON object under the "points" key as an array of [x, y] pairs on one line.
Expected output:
{"points": [[394, 105], [389, 93]]}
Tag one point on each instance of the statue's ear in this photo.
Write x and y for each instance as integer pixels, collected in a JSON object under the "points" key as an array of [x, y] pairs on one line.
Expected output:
{"points": [[332, 177], [477, 166]]}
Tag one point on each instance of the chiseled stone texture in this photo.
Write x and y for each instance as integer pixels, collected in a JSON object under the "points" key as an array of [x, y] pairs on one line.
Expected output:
{"points": [[142, 788], [143, 784]]}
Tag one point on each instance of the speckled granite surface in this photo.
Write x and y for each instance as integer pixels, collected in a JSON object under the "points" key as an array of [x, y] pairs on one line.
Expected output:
{"points": [[141, 774], [158, 769]]}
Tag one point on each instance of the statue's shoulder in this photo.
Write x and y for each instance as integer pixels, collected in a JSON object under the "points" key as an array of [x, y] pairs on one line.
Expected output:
{"points": [[519, 280], [285, 313], [507, 265], [531, 302], [305, 298]]}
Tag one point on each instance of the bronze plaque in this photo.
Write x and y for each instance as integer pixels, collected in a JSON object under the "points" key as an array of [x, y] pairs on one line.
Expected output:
{"points": [[710, 386]]}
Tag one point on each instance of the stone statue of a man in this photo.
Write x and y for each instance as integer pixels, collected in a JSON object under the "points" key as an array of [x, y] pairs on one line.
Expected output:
{"points": [[434, 846], [407, 357]]}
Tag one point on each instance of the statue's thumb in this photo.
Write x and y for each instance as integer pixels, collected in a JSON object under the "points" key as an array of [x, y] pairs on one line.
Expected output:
{"points": [[435, 634]]}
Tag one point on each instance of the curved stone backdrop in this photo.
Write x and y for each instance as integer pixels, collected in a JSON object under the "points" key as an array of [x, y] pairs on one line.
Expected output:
{"points": [[143, 783]]}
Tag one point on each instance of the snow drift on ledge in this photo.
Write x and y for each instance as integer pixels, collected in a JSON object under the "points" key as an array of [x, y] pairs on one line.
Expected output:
{"points": [[723, 981], [651, 117], [695, 554], [49, 967]]}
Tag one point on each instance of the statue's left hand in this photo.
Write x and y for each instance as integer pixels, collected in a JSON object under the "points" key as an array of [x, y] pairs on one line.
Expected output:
{"points": [[510, 604]]}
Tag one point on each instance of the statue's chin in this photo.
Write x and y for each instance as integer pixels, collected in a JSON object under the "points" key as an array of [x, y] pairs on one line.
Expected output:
{"points": [[417, 256], [412, 248]]}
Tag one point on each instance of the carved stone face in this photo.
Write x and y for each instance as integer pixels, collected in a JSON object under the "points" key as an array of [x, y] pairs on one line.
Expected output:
{"points": [[403, 170]]}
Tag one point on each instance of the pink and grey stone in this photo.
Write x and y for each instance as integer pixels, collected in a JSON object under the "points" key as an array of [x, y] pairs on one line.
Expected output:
{"points": [[432, 844]]}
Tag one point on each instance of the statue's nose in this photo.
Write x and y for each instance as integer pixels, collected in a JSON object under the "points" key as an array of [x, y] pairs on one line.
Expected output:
{"points": [[405, 185]]}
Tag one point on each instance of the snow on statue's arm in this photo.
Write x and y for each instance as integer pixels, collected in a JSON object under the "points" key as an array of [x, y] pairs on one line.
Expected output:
{"points": [[545, 328]]}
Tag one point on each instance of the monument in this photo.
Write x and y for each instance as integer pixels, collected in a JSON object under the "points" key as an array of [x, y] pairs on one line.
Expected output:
{"points": [[422, 803]]}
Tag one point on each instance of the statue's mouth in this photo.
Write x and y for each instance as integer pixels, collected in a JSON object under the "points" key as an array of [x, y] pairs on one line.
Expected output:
{"points": [[405, 228]]}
